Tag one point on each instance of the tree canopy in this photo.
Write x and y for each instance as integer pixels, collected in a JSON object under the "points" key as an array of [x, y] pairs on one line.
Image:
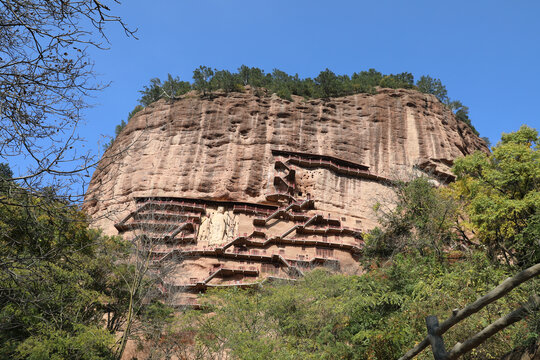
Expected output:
{"points": [[501, 192], [420, 217], [325, 85], [429, 85], [55, 281]]}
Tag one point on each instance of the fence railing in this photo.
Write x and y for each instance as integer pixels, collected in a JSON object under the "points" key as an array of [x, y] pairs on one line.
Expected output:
{"points": [[436, 330]]}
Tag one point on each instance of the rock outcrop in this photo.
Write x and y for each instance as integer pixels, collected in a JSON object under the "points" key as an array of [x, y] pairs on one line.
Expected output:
{"points": [[270, 181]]}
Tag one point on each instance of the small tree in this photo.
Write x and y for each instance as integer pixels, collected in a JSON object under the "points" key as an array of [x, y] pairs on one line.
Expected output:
{"points": [[144, 312], [118, 129], [403, 80], [429, 85], [252, 76], [366, 81], [202, 77], [171, 88], [328, 84], [226, 81], [420, 217], [151, 93], [462, 113]]}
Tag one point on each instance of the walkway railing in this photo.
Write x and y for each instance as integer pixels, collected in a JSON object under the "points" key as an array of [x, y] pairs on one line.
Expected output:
{"points": [[436, 330]]}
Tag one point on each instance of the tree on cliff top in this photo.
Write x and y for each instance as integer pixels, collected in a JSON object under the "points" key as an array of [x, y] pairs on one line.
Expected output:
{"points": [[329, 84], [169, 89], [202, 77], [429, 85]]}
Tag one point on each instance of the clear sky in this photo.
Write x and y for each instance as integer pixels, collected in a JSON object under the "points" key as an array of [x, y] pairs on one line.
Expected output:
{"points": [[485, 52]]}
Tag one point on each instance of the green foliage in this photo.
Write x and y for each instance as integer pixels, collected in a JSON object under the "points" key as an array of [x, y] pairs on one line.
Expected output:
{"points": [[174, 87], [403, 80], [53, 280], [151, 93], [5, 171], [501, 192], [326, 85], [433, 86], [65, 289], [118, 129], [169, 89], [202, 78], [329, 84], [251, 76], [366, 81], [419, 217], [83, 342], [378, 315], [462, 114], [429, 85], [226, 81]]}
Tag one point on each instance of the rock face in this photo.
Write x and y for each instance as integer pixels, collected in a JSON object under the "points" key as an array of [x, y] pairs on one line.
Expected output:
{"points": [[293, 181]]}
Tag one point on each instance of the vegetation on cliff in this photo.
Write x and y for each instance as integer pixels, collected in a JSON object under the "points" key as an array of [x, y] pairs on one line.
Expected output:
{"points": [[437, 249], [500, 193], [379, 315], [326, 85]]}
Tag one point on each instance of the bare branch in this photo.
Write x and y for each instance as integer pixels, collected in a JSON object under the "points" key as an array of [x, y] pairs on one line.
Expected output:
{"points": [[46, 77]]}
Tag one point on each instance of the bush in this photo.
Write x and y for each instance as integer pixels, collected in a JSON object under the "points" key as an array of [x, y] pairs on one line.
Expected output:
{"points": [[379, 315], [423, 218]]}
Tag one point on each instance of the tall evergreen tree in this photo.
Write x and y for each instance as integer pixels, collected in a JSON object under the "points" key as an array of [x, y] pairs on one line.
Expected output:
{"points": [[429, 85], [202, 77]]}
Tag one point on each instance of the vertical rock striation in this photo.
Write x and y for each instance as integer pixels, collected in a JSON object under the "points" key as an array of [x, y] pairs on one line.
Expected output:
{"points": [[273, 184], [221, 148]]}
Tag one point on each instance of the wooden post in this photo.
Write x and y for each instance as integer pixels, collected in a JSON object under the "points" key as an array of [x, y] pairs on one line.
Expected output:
{"points": [[437, 343], [504, 288]]}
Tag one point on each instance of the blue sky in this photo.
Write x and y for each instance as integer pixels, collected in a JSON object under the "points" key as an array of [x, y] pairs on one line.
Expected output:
{"points": [[485, 52]]}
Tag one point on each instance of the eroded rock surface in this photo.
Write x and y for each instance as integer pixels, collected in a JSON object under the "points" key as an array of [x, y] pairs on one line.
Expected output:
{"points": [[239, 189], [220, 149]]}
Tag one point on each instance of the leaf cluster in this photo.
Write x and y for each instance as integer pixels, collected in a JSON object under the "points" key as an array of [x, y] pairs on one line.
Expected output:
{"points": [[57, 280], [501, 192]]}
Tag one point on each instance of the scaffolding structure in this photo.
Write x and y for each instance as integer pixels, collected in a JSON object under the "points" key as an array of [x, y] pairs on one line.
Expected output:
{"points": [[172, 225]]}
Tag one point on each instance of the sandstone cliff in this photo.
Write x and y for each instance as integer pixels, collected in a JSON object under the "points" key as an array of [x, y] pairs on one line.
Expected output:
{"points": [[221, 149]]}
